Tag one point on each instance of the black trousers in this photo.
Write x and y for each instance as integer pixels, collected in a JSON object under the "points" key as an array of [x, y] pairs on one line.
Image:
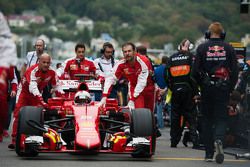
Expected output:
{"points": [[46, 93], [214, 101], [182, 105]]}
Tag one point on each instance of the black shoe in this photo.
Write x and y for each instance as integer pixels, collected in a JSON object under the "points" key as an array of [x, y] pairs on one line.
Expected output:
{"points": [[185, 138], [158, 133], [184, 143], [219, 155], [11, 146], [173, 145], [196, 146], [209, 157]]}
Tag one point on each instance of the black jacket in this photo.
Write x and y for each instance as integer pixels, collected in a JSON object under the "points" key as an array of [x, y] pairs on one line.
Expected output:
{"points": [[214, 54], [179, 70]]}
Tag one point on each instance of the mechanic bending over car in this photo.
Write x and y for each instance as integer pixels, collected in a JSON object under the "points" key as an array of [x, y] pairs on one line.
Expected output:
{"points": [[77, 65], [137, 70], [30, 89], [32, 58]]}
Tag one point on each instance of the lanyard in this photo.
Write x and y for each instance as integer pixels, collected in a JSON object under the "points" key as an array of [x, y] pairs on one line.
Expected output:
{"points": [[32, 59]]}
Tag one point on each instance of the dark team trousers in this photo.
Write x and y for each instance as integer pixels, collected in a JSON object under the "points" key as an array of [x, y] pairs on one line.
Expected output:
{"points": [[182, 105], [214, 101]]}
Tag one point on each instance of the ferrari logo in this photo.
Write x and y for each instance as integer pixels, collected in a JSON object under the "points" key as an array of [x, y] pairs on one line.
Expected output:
{"points": [[86, 68], [73, 67], [126, 71]]}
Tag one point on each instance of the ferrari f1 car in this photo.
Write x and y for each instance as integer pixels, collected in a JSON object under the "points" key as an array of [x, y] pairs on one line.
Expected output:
{"points": [[76, 124]]}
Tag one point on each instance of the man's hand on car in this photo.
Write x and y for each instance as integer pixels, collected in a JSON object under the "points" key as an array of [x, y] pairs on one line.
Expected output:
{"points": [[102, 102], [43, 104], [131, 104]]}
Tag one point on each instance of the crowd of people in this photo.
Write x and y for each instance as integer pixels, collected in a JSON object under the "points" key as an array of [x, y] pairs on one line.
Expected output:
{"points": [[210, 75]]}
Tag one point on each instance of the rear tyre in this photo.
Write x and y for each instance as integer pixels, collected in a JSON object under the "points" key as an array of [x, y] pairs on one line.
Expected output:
{"points": [[26, 114]]}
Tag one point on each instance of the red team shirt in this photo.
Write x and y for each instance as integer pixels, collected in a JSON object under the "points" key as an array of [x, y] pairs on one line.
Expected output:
{"points": [[138, 75], [72, 67]]}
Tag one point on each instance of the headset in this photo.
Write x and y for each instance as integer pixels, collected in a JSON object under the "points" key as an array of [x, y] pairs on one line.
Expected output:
{"points": [[208, 34], [44, 44], [190, 45], [107, 45], [215, 26]]}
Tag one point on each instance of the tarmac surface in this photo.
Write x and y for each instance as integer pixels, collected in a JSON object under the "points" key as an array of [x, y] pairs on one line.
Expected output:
{"points": [[164, 156]]}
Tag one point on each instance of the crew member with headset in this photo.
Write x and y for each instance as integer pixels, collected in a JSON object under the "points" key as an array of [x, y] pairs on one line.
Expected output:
{"points": [[33, 56], [215, 70], [183, 90], [105, 63]]}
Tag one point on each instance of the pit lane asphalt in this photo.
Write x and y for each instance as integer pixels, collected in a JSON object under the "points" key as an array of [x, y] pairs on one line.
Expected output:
{"points": [[165, 156]]}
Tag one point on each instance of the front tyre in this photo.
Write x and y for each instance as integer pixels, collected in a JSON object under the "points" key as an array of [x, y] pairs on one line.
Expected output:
{"points": [[26, 114], [143, 126]]}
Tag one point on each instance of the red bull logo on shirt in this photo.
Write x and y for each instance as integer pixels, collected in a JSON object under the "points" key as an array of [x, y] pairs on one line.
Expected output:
{"points": [[216, 51]]}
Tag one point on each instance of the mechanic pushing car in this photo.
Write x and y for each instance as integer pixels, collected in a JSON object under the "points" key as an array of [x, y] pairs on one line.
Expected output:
{"points": [[77, 65], [30, 89], [215, 69], [137, 70]]}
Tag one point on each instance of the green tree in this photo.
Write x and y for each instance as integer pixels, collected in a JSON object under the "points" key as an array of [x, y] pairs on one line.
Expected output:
{"points": [[102, 27], [68, 19], [84, 36]]}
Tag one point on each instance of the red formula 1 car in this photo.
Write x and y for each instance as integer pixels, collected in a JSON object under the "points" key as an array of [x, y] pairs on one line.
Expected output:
{"points": [[77, 124]]}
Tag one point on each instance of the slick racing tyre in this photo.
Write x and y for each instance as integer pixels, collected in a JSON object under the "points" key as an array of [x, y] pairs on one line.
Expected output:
{"points": [[143, 126], [142, 122], [28, 113]]}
